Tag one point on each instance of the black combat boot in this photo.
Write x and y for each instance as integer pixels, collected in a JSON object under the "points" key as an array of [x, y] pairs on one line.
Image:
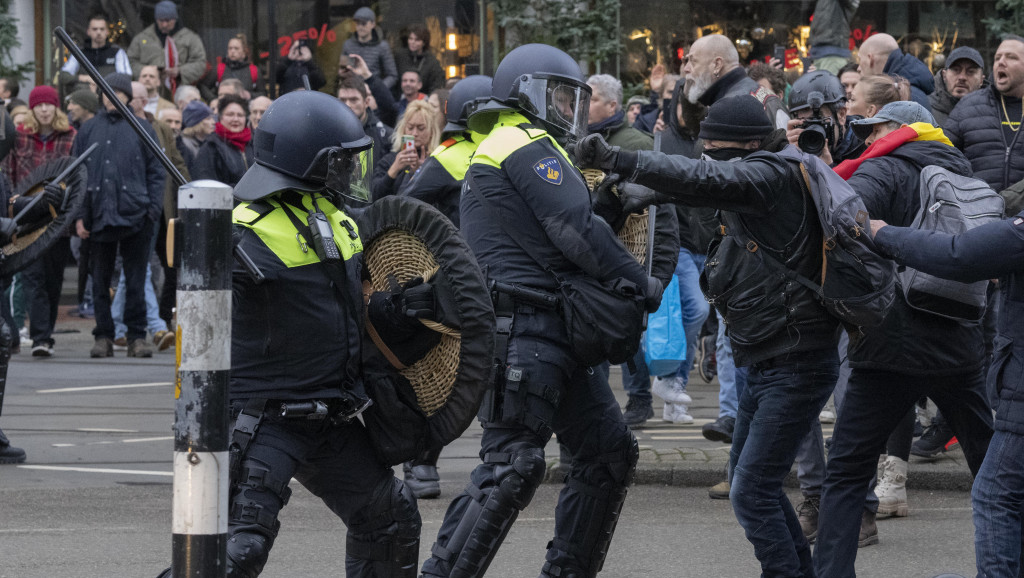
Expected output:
{"points": [[8, 453]]}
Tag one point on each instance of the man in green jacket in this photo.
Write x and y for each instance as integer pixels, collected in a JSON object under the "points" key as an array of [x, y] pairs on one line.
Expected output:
{"points": [[167, 44]]}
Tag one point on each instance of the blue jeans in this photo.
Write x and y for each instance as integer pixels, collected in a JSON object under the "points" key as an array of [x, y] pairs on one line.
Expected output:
{"points": [[875, 402], [731, 379], [695, 311], [780, 402], [153, 321], [998, 500]]}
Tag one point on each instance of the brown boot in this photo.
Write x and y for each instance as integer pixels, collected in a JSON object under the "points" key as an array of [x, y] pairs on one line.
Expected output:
{"points": [[868, 530], [104, 347], [139, 348]]}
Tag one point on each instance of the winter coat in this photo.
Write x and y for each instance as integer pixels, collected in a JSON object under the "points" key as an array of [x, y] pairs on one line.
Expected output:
{"points": [[147, 49], [975, 127], [916, 72], [830, 29], [910, 341], [30, 151], [290, 72], [243, 71], [424, 63], [380, 133], [126, 181], [942, 101], [378, 57], [992, 251], [220, 161]]}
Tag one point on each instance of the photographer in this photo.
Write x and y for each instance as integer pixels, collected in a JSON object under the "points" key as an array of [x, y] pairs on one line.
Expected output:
{"points": [[299, 63], [818, 127], [778, 329]]}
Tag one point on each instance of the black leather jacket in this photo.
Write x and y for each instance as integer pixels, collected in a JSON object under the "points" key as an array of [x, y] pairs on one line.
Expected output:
{"points": [[764, 200]]}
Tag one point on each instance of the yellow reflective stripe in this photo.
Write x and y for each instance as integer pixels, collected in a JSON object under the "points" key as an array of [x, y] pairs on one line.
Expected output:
{"points": [[507, 137], [455, 159], [279, 234]]}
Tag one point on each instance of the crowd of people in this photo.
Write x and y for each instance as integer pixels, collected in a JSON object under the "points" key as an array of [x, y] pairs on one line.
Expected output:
{"points": [[714, 145]]}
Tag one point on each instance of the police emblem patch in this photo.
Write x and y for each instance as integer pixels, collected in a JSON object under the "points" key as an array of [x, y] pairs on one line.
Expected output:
{"points": [[549, 169]]}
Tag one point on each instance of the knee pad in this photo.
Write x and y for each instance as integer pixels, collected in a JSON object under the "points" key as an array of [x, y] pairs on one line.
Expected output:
{"points": [[247, 554], [490, 512], [384, 536], [518, 474]]}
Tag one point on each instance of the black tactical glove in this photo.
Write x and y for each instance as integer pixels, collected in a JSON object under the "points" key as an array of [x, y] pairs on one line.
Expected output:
{"points": [[635, 198], [594, 153], [652, 299], [606, 202], [54, 196], [418, 301]]}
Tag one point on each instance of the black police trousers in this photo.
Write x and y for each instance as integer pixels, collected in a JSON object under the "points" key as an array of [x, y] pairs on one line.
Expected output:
{"points": [[337, 464], [545, 390]]}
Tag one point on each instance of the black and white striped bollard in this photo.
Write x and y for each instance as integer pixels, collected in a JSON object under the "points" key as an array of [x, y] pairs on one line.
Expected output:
{"points": [[200, 512]]}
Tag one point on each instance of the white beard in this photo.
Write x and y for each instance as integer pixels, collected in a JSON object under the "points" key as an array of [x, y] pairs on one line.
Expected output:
{"points": [[699, 86]]}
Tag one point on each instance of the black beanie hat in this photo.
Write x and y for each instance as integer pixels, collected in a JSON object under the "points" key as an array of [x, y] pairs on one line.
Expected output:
{"points": [[121, 82], [738, 118]]}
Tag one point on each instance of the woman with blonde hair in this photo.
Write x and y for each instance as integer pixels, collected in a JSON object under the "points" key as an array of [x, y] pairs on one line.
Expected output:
{"points": [[44, 135], [417, 135], [873, 92]]}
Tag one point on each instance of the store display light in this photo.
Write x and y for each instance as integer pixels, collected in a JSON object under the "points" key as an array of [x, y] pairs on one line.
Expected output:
{"points": [[453, 42]]}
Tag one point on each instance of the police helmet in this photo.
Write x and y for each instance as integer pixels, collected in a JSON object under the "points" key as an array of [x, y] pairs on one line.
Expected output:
{"points": [[463, 100], [310, 142], [543, 83], [821, 81]]}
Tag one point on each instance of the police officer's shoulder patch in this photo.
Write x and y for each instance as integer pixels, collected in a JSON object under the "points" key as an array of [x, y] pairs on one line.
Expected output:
{"points": [[549, 169]]}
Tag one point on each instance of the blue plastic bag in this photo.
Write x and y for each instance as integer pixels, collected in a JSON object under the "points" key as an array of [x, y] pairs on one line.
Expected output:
{"points": [[665, 340]]}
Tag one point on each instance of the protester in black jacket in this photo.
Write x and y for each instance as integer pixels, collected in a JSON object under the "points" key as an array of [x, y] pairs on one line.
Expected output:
{"points": [[881, 53], [963, 74], [123, 203], [778, 329], [416, 55], [995, 250], [911, 354], [227, 153]]}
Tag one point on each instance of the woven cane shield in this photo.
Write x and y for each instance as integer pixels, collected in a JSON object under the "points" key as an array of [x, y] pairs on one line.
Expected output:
{"points": [[27, 247], [430, 402], [635, 233]]}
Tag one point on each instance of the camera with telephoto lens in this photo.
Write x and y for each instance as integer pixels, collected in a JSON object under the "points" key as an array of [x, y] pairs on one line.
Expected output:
{"points": [[818, 130]]}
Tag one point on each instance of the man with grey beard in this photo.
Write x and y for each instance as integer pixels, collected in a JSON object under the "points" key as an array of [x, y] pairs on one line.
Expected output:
{"points": [[714, 71]]}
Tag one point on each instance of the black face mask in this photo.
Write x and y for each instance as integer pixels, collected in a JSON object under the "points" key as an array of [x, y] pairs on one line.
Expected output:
{"points": [[726, 154]]}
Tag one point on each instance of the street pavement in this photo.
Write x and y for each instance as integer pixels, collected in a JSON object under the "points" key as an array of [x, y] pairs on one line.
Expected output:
{"points": [[94, 497]]}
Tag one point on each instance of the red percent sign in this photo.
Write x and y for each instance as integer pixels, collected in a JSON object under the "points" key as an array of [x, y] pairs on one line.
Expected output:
{"points": [[285, 42]]}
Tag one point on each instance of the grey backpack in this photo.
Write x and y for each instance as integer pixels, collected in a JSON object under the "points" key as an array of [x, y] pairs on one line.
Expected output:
{"points": [[858, 285], [950, 203]]}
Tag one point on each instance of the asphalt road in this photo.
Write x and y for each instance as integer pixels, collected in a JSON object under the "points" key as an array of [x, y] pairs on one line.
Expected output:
{"points": [[94, 499]]}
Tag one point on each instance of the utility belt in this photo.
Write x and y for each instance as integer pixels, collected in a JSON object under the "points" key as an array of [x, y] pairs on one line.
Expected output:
{"points": [[506, 296], [339, 411]]}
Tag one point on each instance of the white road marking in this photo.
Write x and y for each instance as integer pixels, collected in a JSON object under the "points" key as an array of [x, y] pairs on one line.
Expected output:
{"points": [[106, 430], [108, 442], [99, 387], [98, 470]]}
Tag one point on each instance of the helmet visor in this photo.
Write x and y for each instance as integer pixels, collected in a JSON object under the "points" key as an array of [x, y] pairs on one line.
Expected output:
{"points": [[557, 101], [348, 173]]}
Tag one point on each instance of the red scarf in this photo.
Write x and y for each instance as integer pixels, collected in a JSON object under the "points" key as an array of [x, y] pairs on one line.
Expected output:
{"points": [[880, 148], [238, 139], [171, 61]]}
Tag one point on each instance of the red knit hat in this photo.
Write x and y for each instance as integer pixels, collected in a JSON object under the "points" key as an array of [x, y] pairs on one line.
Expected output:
{"points": [[41, 94]]}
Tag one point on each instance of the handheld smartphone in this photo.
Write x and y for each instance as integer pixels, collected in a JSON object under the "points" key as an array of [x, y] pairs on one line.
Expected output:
{"points": [[408, 142], [780, 54]]}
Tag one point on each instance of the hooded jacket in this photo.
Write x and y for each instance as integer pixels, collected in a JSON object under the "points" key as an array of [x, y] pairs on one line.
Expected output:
{"points": [[975, 127], [377, 55], [995, 250], [910, 341], [916, 72]]}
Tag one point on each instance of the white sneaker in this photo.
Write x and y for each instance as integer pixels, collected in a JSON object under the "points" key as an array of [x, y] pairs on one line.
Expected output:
{"points": [[891, 489], [671, 389], [827, 415], [676, 413]]}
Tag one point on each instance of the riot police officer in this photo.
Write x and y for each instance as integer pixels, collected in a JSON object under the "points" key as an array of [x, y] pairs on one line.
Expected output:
{"points": [[295, 385], [439, 180], [439, 183], [525, 199]]}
